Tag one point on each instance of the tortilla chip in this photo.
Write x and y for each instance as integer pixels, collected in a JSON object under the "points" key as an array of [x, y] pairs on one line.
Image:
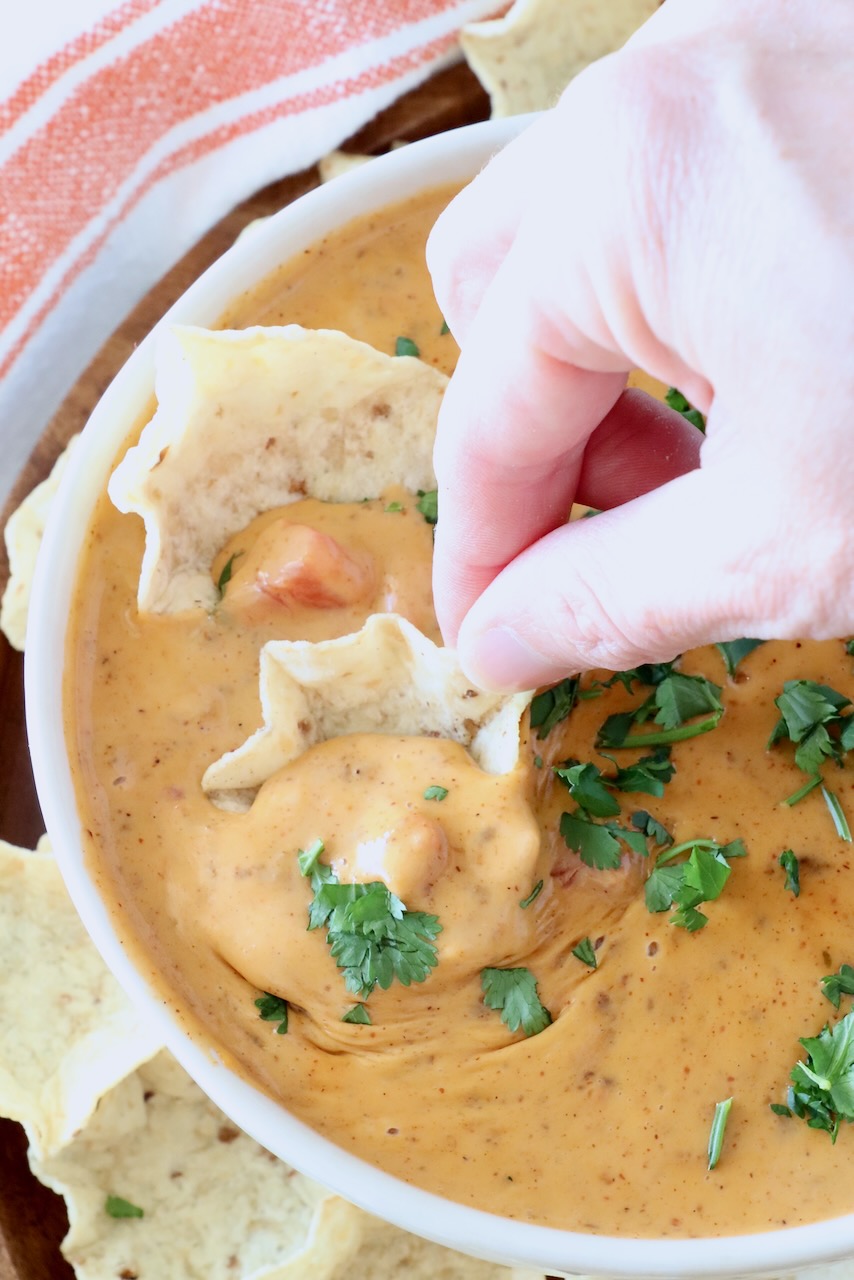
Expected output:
{"points": [[339, 162], [251, 227], [527, 58], [387, 678], [387, 1253], [24, 531], [215, 1204], [68, 1031], [253, 419]]}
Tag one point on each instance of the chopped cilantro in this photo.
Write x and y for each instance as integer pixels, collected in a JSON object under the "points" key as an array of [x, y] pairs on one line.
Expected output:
{"points": [[675, 703], [598, 843], [553, 705], [393, 508], [648, 673], [428, 504], [273, 1009], [651, 828], [118, 1207], [822, 1087], [590, 790], [538, 762], [837, 814], [406, 347], [532, 896], [372, 937], [811, 717], [307, 858], [838, 984], [849, 647], [791, 866], [226, 572], [360, 1013], [717, 1131], [587, 788], [677, 401], [648, 774], [585, 953], [435, 793], [513, 992], [734, 651], [444, 329], [689, 884]]}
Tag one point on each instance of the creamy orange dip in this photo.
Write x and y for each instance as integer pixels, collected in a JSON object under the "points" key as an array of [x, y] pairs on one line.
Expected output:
{"points": [[599, 1123]]}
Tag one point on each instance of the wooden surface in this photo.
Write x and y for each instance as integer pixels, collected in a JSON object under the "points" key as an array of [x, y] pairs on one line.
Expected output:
{"points": [[32, 1219]]}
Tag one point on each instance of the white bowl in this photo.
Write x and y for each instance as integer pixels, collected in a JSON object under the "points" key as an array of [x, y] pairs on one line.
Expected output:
{"points": [[451, 157]]}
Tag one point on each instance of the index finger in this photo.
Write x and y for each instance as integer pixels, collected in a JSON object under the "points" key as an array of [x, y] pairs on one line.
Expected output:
{"points": [[510, 443]]}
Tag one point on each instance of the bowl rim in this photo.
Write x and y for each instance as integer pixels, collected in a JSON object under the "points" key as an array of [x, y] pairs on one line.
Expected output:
{"points": [[454, 156]]}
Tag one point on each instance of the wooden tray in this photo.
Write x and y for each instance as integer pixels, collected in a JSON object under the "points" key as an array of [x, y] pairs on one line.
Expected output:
{"points": [[32, 1219]]}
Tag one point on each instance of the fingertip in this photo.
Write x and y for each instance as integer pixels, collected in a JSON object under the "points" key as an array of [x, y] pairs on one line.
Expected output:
{"points": [[500, 660]]}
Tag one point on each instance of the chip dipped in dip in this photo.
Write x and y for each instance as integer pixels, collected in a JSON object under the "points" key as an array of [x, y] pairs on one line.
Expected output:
{"points": [[515, 952]]}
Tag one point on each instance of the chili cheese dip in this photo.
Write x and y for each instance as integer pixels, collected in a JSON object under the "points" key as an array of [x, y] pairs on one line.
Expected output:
{"points": [[525, 988]]}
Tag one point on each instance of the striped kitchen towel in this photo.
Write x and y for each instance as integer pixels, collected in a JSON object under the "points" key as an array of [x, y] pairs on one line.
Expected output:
{"points": [[126, 130]]}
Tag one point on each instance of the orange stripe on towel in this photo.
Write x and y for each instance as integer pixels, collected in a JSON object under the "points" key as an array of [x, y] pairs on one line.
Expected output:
{"points": [[28, 92], [373, 78], [72, 168]]}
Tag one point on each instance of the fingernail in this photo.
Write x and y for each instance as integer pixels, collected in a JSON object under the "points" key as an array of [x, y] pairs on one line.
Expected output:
{"points": [[500, 660]]}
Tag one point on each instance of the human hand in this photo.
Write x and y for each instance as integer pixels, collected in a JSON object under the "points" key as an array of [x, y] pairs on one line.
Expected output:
{"points": [[686, 208]]}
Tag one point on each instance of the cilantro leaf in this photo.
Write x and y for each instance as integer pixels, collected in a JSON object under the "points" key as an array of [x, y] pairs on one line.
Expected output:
{"points": [[706, 873], [372, 937], [532, 896], [360, 1014], [226, 572], [648, 673], [393, 508], [273, 1009], [435, 793], [789, 862], [308, 858], [513, 992], [687, 885], [592, 841], [405, 347], [651, 827], [718, 1129], [811, 717], [648, 774], [444, 329], [734, 651], [662, 887], [686, 916], [588, 789], [428, 504], [585, 953], [677, 401], [553, 705], [118, 1207], [822, 1091], [598, 843], [679, 698], [675, 703], [838, 984]]}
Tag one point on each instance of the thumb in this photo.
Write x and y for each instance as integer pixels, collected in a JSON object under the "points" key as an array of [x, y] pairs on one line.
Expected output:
{"points": [[643, 582]]}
